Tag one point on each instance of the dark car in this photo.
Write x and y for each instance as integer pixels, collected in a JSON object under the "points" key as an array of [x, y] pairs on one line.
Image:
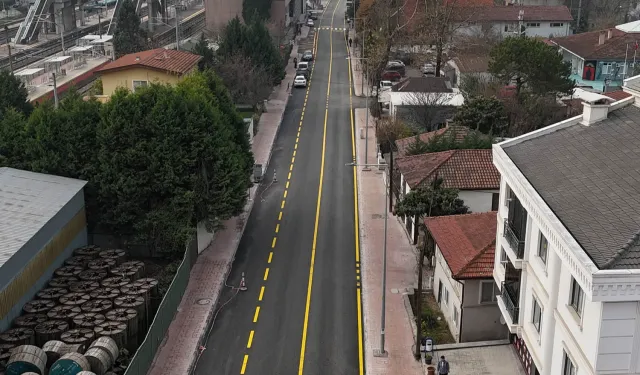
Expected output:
{"points": [[391, 75], [397, 68], [307, 56], [302, 72]]}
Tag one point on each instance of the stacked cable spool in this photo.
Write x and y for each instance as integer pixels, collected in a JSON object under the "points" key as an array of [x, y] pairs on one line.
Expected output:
{"points": [[70, 364], [119, 255], [78, 260], [86, 373], [29, 320], [64, 312], [50, 330], [90, 250], [102, 264], [88, 320], [51, 293], [115, 330], [115, 282], [154, 297], [93, 275], [62, 282], [99, 306], [26, 358], [133, 269], [18, 336], [68, 271], [128, 316], [105, 293], [102, 355], [78, 336], [84, 286], [54, 349], [5, 354], [134, 302]]}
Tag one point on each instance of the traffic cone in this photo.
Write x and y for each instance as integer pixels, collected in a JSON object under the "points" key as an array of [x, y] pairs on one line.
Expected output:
{"points": [[274, 176], [243, 285]]}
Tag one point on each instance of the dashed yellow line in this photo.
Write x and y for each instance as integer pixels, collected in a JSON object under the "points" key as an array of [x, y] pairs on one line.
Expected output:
{"points": [[278, 226], [266, 274], [285, 193], [256, 314], [273, 242], [250, 339], [244, 364], [260, 296], [282, 205], [280, 216], [271, 257]]}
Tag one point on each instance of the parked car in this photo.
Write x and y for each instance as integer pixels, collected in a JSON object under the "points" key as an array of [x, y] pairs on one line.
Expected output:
{"points": [[397, 68], [395, 62], [310, 22], [303, 65], [307, 55], [385, 85], [391, 75], [428, 69], [302, 72], [300, 81]]}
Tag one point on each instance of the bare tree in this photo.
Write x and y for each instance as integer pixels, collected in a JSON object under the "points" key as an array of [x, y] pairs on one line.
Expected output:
{"points": [[247, 83], [425, 111], [478, 84]]}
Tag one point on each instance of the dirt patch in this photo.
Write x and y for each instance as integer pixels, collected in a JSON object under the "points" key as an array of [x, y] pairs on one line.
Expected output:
{"points": [[433, 324]]}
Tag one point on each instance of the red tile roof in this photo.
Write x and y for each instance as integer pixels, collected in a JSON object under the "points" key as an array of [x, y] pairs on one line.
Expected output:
{"points": [[467, 243], [469, 3], [459, 169], [586, 45], [617, 95], [168, 60], [403, 143], [510, 13]]}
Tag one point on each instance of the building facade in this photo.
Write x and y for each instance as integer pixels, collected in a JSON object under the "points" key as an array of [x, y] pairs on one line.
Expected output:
{"points": [[567, 241]]}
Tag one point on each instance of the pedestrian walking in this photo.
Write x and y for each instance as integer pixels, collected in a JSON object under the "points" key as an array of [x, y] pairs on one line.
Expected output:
{"points": [[350, 41], [443, 366], [295, 63]]}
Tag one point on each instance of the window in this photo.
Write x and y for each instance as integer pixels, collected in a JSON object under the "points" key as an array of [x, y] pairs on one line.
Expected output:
{"points": [[606, 68], [487, 292], [568, 368], [446, 296], [455, 315], [576, 300], [543, 248], [533, 24], [508, 193], [536, 315], [495, 201], [556, 24], [503, 258], [137, 84]]}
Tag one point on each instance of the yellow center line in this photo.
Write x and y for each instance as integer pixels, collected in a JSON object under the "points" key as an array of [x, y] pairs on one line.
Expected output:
{"points": [[270, 257], [280, 216], [261, 294], [244, 364], [256, 314], [289, 177], [287, 186], [285, 193], [266, 274], [250, 339], [273, 243], [278, 225], [282, 205]]}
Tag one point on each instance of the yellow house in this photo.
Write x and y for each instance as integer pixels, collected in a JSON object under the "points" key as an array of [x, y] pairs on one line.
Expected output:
{"points": [[140, 69]]}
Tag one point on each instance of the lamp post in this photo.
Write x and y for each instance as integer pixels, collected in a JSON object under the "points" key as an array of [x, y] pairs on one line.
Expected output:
{"points": [[381, 352], [177, 28], [366, 128]]}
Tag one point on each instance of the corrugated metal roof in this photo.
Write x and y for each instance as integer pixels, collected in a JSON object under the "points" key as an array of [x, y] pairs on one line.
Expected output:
{"points": [[28, 200]]}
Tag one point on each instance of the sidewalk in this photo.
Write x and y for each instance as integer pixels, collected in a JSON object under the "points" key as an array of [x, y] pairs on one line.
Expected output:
{"points": [[356, 66], [179, 349], [401, 269]]}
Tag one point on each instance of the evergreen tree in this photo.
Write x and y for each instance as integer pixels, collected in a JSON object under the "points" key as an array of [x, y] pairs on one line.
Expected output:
{"points": [[208, 56], [432, 198], [13, 94], [12, 139], [256, 9], [484, 114], [128, 36]]}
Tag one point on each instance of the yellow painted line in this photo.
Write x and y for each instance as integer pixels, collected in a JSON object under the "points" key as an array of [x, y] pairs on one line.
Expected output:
{"points": [[261, 294], [305, 325], [250, 340], [285, 193], [356, 220], [287, 186], [266, 273], [273, 243], [270, 257], [357, 277], [280, 216], [278, 225], [294, 153], [256, 314], [293, 159], [289, 177], [295, 147], [244, 364], [291, 167], [282, 205]]}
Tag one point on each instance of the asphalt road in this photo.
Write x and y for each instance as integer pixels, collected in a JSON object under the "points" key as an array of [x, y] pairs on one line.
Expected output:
{"points": [[300, 314]]}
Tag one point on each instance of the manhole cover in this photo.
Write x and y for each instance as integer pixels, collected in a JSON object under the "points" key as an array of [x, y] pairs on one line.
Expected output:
{"points": [[203, 301], [376, 216]]}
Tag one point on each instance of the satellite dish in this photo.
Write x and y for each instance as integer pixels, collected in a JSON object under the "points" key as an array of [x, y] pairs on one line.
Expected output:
{"points": [[502, 321]]}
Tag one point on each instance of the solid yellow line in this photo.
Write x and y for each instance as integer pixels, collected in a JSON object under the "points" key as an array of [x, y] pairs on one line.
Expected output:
{"points": [[250, 339], [266, 274], [273, 243], [261, 294], [356, 218], [305, 325], [244, 364], [257, 313], [278, 225], [270, 257]]}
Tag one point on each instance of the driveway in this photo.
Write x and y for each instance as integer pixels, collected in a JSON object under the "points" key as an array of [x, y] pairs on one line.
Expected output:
{"points": [[483, 360]]}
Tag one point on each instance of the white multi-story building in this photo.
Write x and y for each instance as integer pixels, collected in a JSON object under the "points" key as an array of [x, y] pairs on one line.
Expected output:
{"points": [[568, 241]]}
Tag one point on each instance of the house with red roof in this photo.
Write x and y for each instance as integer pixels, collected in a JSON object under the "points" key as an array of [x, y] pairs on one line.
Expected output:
{"points": [[464, 252], [470, 171]]}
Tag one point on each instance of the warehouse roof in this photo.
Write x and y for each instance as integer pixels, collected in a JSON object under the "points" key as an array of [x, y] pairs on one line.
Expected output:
{"points": [[28, 200]]}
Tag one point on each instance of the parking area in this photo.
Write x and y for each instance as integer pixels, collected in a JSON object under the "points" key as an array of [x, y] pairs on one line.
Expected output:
{"points": [[483, 360]]}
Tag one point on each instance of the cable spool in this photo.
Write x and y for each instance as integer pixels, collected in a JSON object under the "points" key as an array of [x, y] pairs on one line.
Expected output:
{"points": [[38, 306], [62, 282], [18, 336], [130, 317], [136, 290], [115, 282], [83, 336], [54, 349], [108, 344], [99, 359], [116, 330], [86, 373], [84, 286], [78, 260], [90, 250], [88, 320], [119, 255], [133, 269], [137, 303], [64, 312], [68, 271], [26, 358], [29, 320], [93, 275], [50, 330], [105, 293], [70, 364], [51, 293], [5, 352], [149, 283], [102, 264], [100, 306], [75, 348], [74, 299]]}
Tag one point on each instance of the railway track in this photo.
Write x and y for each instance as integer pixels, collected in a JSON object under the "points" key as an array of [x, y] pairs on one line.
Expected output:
{"points": [[189, 26]]}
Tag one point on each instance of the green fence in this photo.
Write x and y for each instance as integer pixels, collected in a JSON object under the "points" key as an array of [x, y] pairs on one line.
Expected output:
{"points": [[141, 362]]}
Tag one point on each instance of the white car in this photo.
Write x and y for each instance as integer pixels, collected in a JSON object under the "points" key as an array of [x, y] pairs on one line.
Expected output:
{"points": [[310, 22], [300, 81], [428, 68]]}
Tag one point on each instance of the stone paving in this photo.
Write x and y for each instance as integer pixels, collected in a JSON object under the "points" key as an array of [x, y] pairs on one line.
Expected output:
{"points": [[181, 345], [484, 360]]}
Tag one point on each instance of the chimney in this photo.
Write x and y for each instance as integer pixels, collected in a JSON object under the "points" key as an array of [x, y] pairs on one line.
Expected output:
{"points": [[609, 33], [594, 112], [137, 58], [602, 37]]}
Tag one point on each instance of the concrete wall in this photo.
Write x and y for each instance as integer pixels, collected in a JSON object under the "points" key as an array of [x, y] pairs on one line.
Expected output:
{"points": [[33, 265], [219, 12], [204, 237], [506, 29], [442, 273], [124, 78], [480, 321], [478, 200]]}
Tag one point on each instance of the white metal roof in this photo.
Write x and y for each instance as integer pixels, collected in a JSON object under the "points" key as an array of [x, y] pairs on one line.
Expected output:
{"points": [[105, 38], [629, 27], [58, 59], [28, 71], [28, 200], [90, 37], [410, 98], [79, 49]]}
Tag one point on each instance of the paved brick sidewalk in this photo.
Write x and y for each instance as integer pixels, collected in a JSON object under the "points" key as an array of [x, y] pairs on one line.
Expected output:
{"points": [[178, 352], [401, 270], [356, 66]]}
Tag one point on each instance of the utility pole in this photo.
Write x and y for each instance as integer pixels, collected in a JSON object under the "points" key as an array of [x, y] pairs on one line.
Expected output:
{"points": [[55, 91], [6, 30], [579, 14], [99, 26], [177, 31], [390, 176]]}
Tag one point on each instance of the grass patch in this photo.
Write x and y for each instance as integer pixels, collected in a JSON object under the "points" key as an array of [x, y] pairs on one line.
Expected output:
{"points": [[433, 324]]}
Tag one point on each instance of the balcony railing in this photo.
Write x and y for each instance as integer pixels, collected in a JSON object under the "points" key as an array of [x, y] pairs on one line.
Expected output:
{"points": [[517, 244], [510, 299]]}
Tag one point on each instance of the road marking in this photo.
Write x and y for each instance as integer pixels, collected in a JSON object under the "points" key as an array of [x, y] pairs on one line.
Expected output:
{"points": [[257, 313], [305, 325], [293, 159], [244, 363], [250, 339], [271, 256], [261, 294], [289, 177], [278, 225], [356, 221], [287, 186], [266, 274], [295, 147], [294, 153], [282, 205], [280, 216], [273, 243], [285, 193]]}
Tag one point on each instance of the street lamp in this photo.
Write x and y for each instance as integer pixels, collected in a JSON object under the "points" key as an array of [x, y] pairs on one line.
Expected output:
{"points": [[366, 129], [381, 352], [177, 29]]}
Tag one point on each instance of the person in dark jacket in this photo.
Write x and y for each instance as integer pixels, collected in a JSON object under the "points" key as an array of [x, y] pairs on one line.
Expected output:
{"points": [[443, 366], [295, 63]]}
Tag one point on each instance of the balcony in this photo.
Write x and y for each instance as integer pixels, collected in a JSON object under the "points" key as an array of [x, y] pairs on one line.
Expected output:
{"points": [[514, 240], [510, 298]]}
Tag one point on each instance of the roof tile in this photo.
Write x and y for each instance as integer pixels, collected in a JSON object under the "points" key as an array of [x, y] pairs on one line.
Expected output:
{"points": [[510, 13], [170, 61], [402, 144], [586, 45]]}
